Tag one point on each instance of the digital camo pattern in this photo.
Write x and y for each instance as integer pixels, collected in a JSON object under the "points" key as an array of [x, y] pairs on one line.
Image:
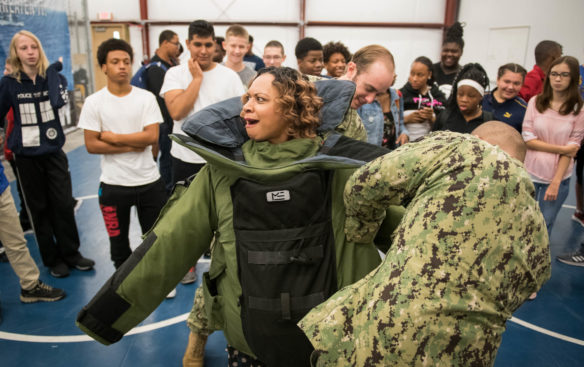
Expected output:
{"points": [[472, 246], [352, 126], [197, 320]]}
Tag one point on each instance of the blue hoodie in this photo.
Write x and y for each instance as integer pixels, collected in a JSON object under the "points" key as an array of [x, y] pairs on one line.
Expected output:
{"points": [[37, 128], [3, 180]]}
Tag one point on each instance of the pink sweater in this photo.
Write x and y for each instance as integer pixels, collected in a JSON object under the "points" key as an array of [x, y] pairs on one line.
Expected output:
{"points": [[553, 128]]}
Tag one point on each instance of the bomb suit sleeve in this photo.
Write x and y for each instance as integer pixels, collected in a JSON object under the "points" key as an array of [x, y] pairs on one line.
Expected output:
{"points": [[181, 234]]}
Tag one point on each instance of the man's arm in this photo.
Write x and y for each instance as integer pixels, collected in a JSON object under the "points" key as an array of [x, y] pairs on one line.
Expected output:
{"points": [[180, 102], [392, 179], [141, 139], [95, 145]]}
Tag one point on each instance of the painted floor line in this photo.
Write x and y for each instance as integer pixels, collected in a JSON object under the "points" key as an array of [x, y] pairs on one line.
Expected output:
{"points": [[86, 197], [84, 338], [568, 206], [160, 324], [547, 332]]}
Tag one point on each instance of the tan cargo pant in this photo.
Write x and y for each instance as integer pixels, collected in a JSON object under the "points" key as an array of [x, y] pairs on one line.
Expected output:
{"points": [[14, 242]]}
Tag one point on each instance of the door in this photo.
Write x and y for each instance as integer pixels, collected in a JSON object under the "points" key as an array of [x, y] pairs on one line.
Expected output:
{"points": [[100, 33]]}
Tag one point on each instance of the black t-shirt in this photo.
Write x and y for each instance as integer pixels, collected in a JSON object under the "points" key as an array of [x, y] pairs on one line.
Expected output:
{"points": [[455, 122], [440, 77], [154, 80]]}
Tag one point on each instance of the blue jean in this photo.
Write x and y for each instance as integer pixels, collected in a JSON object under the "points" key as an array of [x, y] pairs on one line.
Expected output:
{"points": [[550, 209], [372, 117]]}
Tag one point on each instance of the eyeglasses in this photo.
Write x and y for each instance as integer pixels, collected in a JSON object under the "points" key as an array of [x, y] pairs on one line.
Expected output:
{"points": [[553, 74], [175, 43]]}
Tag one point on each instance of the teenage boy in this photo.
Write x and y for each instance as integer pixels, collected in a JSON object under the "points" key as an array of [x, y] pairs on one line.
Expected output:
{"points": [[121, 123], [309, 56], [162, 61], [190, 87], [274, 54], [219, 50], [236, 45], [252, 60], [546, 52]]}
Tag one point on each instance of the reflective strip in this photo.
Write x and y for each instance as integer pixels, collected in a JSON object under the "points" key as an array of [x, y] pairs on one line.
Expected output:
{"points": [[30, 136], [295, 303], [287, 234], [306, 255]]}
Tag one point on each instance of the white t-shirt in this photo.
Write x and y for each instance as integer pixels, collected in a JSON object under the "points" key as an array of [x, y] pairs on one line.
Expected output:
{"points": [[103, 111], [218, 84]]}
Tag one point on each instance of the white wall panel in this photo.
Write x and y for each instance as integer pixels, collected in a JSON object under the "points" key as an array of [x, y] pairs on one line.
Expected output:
{"points": [[560, 21], [404, 43], [121, 10], [75, 6], [225, 10], [136, 42], [411, 11]]}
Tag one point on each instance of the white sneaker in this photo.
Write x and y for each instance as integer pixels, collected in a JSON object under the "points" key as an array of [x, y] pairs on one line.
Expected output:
{"points": [[172, 294]]}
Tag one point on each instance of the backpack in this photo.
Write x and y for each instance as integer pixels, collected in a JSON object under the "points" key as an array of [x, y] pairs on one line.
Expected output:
{"points": [[139, 79]]}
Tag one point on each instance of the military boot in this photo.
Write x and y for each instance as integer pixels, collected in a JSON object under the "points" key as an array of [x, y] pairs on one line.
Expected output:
{"points": [[195, 353]]}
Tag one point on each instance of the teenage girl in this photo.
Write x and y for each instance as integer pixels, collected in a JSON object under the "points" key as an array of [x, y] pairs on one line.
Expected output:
{"points": [[423, 100], [445, 71], [464, 110], [504, 102], [553, 129], [34, 90]]}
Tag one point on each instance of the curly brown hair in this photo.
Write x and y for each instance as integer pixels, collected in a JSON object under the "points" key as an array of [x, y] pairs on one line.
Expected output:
{"points": [[298, 102]]}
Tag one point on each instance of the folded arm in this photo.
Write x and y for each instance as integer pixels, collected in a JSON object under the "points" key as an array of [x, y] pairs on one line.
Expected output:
{"points": [[95, 145], [140, 139]]}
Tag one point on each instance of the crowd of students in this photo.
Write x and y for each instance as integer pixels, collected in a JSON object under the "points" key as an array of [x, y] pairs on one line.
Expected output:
{"points": [[216, 170]]}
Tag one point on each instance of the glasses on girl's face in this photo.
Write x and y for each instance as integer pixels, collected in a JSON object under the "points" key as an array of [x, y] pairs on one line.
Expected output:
{"points": [[553, 74]]}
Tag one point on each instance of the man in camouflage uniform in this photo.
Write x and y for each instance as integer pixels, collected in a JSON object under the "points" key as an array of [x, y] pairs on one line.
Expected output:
{"points": [[470, 249]]}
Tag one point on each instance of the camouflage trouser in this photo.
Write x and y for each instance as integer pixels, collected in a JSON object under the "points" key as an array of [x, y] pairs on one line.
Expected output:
{"points": [[197, 320]]}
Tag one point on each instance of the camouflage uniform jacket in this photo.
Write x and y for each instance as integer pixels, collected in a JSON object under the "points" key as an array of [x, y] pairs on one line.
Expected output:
{"points": [[471, 247]]}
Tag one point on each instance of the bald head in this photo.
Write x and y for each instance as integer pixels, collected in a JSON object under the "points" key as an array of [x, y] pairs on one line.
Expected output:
{"points": [[504, 136]]}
